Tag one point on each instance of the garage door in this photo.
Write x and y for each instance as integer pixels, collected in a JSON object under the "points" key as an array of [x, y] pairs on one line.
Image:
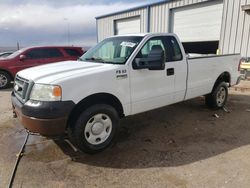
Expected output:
{"points": [[201, 22], [127, 26]]}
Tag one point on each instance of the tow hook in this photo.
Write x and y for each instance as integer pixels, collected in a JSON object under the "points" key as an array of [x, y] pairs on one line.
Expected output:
{"points": [[14, 114]]}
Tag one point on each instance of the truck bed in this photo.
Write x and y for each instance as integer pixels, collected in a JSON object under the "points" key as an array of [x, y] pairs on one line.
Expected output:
{"points": [[203, 72]]}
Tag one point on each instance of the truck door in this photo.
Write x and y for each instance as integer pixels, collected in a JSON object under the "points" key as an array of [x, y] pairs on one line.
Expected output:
{"points": [[151, 89], [180, 66]]}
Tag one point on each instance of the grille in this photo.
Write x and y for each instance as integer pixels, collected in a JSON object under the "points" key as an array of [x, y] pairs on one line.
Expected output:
{"points": [[21, 88]]}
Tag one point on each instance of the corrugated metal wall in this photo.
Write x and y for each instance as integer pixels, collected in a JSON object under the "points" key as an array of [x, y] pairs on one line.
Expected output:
{"points": [[159, 19], [235, 32]]}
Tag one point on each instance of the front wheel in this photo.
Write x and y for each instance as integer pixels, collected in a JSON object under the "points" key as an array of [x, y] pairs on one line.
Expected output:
{"points": [[95, 128], [217, 99], [5, 80]]}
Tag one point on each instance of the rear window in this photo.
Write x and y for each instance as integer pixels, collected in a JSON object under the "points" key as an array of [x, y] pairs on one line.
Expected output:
{"points": [[72, 52], [44, 53], [174, 49]]}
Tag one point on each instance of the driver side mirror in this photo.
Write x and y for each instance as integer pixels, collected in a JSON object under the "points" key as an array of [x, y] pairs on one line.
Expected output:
{"points": [[154, 61], [22, 57]]}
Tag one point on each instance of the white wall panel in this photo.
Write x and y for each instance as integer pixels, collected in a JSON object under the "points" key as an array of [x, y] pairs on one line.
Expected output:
{"points": [[128, 25], [235, 35], [200, 22], [106, 25]]}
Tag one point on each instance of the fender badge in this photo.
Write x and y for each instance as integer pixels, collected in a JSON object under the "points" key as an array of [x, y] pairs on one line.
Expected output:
{"points": [[121, 74]]}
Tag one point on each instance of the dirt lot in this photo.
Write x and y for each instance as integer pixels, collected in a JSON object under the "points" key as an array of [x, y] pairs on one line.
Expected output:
{"points": [[181, 145]]}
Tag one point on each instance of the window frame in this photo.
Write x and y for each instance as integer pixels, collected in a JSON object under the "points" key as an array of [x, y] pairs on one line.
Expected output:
{"points": [[165, 39]]}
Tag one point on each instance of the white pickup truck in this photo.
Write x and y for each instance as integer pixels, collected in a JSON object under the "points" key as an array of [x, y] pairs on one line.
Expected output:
{"points": [[120, 76]]}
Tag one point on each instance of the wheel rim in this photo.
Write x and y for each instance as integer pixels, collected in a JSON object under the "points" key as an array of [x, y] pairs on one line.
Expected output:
{"points": [[98, 129], [3, 80], [221, 96]]}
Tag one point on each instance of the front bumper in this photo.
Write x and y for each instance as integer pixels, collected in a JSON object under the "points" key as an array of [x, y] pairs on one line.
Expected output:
{"points": [[245, 66], [45, 118]]}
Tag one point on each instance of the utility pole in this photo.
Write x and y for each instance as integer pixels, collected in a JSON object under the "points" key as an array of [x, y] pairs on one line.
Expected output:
{"points": [[68, 29], [17, 44]]}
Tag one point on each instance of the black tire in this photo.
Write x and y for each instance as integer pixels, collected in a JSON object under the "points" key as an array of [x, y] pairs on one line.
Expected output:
{"points": [[215, 100], [243, 74], [246, 75], [5, 80], [79, 135]]}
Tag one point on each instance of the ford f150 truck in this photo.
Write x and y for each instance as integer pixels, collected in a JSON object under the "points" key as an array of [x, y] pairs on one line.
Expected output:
{"points": [[120, 76]]}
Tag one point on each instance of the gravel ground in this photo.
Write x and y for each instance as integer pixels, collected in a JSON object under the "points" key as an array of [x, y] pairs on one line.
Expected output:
{"points": [[182, 145]]}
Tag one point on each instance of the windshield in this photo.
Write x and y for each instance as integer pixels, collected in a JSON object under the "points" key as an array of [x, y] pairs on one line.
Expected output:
{"points": [[16, 53], [114, 50]]}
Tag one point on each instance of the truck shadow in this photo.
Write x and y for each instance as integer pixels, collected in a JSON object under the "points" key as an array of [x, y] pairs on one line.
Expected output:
{"points": [[175, 135], [7, 90]]}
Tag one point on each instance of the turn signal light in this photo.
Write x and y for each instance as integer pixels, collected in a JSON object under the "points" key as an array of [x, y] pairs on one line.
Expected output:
{"points": [[57, 91]]}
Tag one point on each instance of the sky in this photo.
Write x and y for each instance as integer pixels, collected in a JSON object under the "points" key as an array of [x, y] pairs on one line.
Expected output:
{"points": [[48, 22]]}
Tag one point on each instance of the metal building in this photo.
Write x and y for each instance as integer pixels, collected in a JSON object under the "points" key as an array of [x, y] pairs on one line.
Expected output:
{"points": [[204, 26]]}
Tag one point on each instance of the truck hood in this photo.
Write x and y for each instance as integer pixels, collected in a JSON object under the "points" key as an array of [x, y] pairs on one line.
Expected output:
{"points": [[55, 71]]}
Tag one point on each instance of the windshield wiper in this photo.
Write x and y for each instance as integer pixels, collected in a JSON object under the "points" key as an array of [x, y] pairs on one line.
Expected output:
{"points": [[96, 59]]}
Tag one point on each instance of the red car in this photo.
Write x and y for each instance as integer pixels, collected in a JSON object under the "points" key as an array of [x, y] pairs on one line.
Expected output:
{"points": [[34, 56]]}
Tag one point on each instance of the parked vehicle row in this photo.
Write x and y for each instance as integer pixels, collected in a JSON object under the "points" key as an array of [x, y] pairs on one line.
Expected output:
{"points": [[34, 56], [245, 64], [120, 76], [245, 67], [5, 54]]}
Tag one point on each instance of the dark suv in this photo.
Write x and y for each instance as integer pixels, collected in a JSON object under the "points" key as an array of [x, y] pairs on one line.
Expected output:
{"points": [[34, 56]]}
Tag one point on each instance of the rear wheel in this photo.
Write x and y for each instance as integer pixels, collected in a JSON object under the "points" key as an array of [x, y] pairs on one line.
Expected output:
{"points": [[5, 80], [95, 128], [217, 99]]}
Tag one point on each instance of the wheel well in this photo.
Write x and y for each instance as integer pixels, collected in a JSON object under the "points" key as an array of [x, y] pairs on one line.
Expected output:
{"points": [[100, 98], [224, 77], [11, 76]]}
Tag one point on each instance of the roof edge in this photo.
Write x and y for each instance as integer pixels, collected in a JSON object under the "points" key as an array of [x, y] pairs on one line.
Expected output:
{"points": [[133, 9]]}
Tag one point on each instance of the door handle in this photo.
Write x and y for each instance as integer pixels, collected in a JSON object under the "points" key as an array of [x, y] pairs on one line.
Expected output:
{"points": [[170, 71]]}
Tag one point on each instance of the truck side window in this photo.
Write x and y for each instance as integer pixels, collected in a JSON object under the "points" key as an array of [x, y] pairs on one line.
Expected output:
{"points": [[148, 47]]}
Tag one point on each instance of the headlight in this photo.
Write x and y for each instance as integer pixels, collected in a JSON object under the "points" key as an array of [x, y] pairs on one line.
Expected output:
{"points": [[41, 92]]}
